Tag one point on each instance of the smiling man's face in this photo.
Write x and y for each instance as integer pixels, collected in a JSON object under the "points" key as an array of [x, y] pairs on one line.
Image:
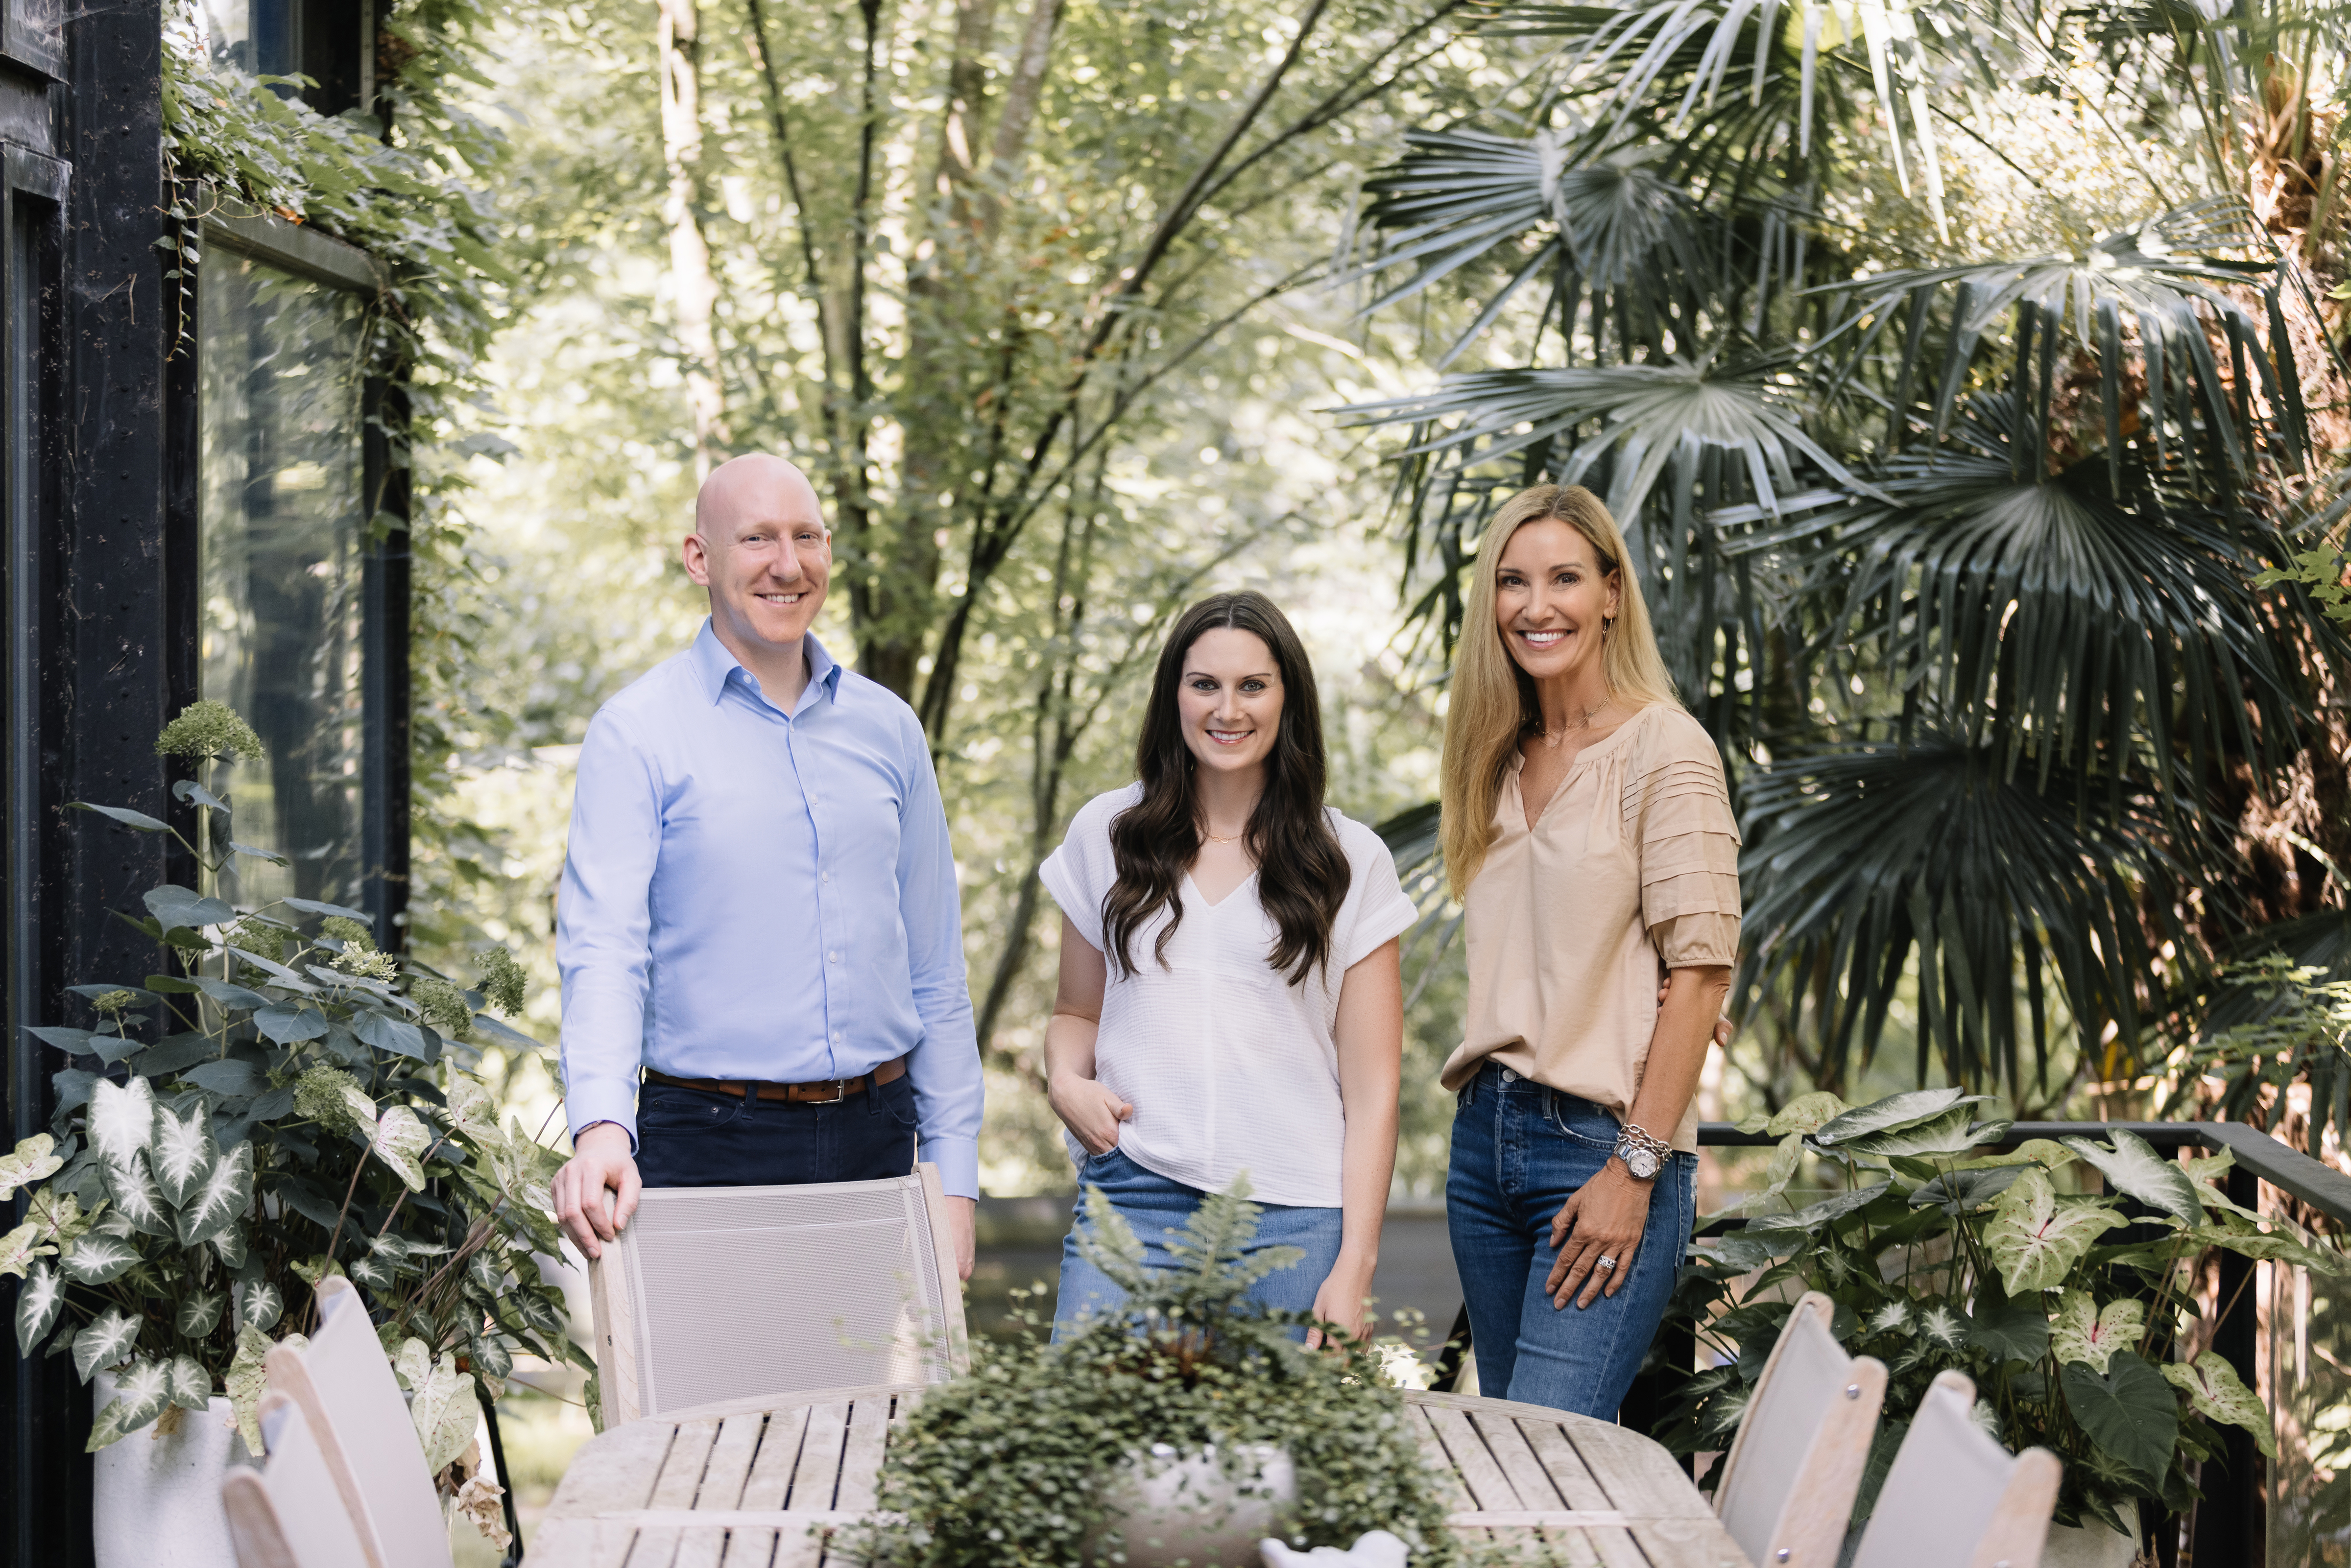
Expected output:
{"points": [[761, 548]]}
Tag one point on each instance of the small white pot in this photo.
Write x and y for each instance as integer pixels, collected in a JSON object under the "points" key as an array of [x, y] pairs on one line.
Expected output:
{"points": [[1171, 1508], [156, 1502], [2090, 1544]]}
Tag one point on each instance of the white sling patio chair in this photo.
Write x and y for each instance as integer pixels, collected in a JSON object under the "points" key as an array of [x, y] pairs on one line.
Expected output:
{"points": [[291, 1513], [1954, 1498], [715, 1294], [1789, 1481], [352, 1401]]}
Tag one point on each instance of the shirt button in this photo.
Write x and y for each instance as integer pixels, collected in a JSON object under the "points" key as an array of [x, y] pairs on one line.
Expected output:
{"points": [[825, 876], [832, 957], [836, 1036], [1508, 1076]]}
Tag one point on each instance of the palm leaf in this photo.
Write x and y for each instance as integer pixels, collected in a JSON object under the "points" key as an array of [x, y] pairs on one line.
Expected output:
{"points": [[1859, 857]]}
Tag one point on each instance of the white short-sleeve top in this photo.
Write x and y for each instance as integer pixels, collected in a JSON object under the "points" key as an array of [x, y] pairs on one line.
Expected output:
{"points": [[1228, 1066]]}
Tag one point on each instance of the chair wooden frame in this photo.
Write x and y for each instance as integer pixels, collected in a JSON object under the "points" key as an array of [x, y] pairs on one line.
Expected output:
{"points": [[289, 1373], [256, 1528], [2016, 1531], [1808, 1527], [614, 1293]]}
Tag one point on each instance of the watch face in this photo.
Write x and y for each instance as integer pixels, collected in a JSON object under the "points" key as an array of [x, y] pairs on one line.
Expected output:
{"points": [[1643, 1163]]}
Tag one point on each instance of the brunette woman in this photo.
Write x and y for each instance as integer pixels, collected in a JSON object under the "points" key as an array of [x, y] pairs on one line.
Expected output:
{"points": [[1588, 833], [1230, 1000]]}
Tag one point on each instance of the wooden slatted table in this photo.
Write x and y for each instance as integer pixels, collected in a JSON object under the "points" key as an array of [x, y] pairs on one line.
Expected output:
{"points": [[753, 1483]]}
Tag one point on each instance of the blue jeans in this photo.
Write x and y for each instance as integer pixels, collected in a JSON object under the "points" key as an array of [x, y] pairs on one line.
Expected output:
{"points": [[692, 1137], [1519, 1151], [1155, 1207]]}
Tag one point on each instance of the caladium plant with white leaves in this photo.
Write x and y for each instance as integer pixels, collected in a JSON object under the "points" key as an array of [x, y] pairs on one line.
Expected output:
{"points": [[283, 1102], [2069, 1310]]}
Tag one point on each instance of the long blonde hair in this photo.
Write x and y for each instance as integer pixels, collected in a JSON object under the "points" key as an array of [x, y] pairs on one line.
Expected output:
{"points": [[1492, 700]]}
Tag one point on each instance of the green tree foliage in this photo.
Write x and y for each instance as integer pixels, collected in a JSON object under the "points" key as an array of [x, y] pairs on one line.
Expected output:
{"points": [[1960, 486]]}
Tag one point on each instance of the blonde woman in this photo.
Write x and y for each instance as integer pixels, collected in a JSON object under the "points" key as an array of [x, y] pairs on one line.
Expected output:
{"points": [[1589, 834]]}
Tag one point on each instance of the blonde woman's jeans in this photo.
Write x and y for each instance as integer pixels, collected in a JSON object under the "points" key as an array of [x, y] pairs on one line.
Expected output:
{"points": [[1520, 1151]]}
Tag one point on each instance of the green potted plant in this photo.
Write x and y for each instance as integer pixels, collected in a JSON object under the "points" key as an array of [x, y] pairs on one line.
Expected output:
{"points": [[2070, 1316], [1181, 1428], [284, 1101]]}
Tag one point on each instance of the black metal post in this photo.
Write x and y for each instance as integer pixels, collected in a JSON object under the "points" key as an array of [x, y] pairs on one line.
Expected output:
{"points": [[2232, 1511], [498, 1468]]}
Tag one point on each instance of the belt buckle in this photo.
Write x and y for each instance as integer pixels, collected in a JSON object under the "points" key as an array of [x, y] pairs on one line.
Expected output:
{"points": [[839, 1092]]}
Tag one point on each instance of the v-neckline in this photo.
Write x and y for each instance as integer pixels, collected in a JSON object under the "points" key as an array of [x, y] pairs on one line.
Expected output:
{"points": [[1599, 747], [1207, 903]]}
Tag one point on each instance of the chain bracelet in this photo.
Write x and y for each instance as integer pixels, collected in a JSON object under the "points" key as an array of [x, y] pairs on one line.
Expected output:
{"points": [[1657, 1146]]}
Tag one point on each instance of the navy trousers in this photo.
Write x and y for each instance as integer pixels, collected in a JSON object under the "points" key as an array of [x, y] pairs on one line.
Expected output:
{"points": [[692, 1137]]}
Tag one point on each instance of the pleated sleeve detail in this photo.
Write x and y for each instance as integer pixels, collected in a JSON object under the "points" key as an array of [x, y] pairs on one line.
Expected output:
{"points": [[1680, 816]]}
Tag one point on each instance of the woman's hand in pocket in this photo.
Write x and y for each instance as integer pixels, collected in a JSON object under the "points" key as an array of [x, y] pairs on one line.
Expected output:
{"points": [[1089, 1110]]}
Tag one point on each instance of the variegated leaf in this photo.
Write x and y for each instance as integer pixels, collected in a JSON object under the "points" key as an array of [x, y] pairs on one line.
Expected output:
{"points": [[258, 1303], [219, 1199], [189, 1385], [1943, 1327], [2271, 1247], [2133, 1167], [199, 1311], [230, 1245], [248, 1382], [140, 1393], [122, 1119], [58, 1215], [2213, 1387], [2083, 1331], [40, 1302], [19, 1249], [104, 1342], [1806, 1114], [445, 1408], [1894, 1317], [471, 1111], [2037, 1238], [182, 1152], [362, 1108], [399, 1140], [95, 1258], [1782, 1171], [138, 1196], [32, 1162]]}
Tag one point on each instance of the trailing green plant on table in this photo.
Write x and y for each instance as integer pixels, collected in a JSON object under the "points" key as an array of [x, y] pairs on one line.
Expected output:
{"points": [[291, 1102], [2069, 1315], [1019, 1463]]}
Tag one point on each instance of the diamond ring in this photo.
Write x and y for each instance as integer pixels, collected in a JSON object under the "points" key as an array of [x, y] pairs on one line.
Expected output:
{"points": [[1605, 1261]]}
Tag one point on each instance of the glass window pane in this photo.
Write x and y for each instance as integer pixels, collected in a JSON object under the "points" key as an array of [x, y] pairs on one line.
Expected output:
{"points": [[282, 531]]}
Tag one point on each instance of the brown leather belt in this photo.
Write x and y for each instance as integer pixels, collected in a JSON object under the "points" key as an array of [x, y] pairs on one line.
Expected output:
{"points": [[823, 1091]]}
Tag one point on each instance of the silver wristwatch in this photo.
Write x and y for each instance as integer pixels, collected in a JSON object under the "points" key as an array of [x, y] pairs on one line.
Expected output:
{"points": [[1642, 1156]]}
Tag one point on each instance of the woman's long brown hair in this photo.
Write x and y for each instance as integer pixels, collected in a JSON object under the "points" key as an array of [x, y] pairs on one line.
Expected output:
{"points": [[1302, 874]]}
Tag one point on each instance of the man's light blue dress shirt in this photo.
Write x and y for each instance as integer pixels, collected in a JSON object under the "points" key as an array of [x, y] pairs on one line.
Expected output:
{"points": [[748, 895]]}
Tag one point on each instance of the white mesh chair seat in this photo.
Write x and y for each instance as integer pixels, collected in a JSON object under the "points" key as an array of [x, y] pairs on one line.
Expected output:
{"points": [[734, 1292], [291, 1513], [1789, 1481], [1954, 1498], [352, 1403]]}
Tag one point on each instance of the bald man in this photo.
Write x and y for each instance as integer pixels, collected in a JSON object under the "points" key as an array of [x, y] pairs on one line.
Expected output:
{"points": [[759, 917]]}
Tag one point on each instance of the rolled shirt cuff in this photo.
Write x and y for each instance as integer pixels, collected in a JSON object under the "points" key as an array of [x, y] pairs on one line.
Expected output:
{"points": [[958, 1162], [589, 1103]]}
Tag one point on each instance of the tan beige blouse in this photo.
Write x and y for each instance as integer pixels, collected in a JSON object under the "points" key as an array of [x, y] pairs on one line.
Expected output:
{"points": [[1633, 868]]}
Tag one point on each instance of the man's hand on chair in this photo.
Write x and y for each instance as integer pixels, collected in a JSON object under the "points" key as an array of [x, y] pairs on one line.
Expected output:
{"points": [[962, 1216], [601, 1164]]}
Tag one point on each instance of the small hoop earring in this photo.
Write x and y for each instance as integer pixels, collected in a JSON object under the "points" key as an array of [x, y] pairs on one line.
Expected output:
{"points": [[1607, 625]]}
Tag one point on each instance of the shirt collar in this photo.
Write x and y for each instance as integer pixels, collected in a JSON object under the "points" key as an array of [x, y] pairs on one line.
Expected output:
{"points": [[713, 664]]}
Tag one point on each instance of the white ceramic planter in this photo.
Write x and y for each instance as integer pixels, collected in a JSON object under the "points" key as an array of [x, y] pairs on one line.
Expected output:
{"points": [[2090, 1545], [156, 1502], [1188, 1510]]}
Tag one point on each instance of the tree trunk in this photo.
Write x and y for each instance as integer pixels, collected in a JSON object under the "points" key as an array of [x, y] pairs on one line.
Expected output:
{"points": [[680, 36]]}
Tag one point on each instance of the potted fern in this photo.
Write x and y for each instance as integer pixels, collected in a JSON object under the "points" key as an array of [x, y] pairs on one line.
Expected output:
{"points": [[1182, 1427], [283, 1102]]}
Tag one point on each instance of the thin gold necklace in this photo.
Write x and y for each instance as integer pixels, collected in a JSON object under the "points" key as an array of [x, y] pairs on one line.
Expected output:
{"points": [[1237, 838], [1551, 737]]}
